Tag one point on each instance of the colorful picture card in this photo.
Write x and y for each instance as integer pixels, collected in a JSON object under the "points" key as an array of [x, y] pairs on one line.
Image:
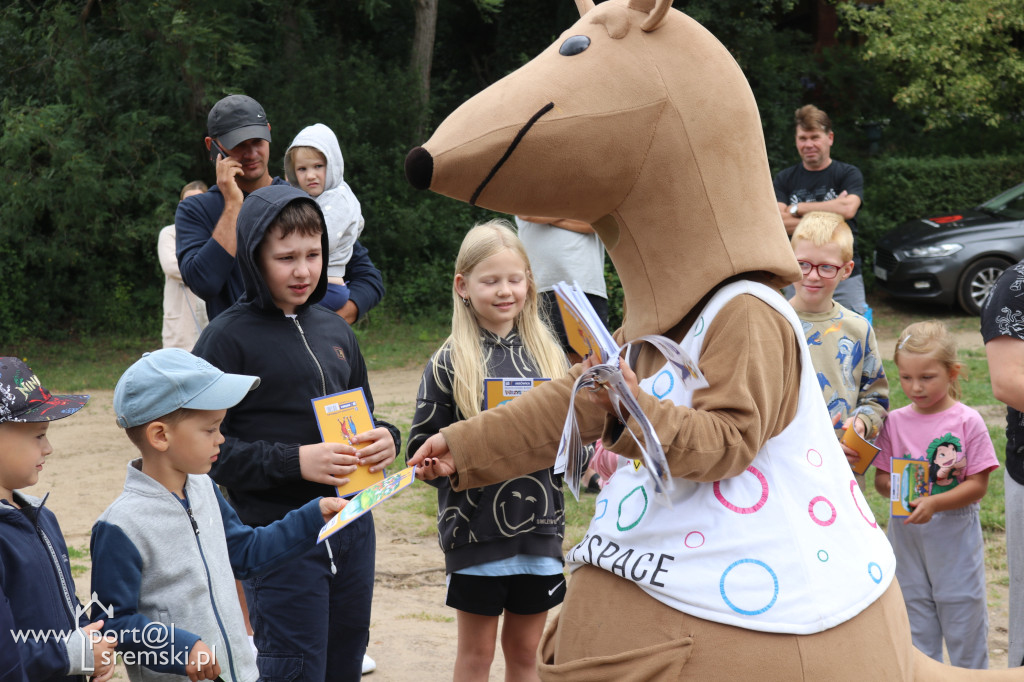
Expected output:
{"points": [[910, 481], [366, 500]]}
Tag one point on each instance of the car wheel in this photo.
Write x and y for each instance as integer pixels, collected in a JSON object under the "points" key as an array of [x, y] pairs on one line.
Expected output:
{"points": [[976, 282]]}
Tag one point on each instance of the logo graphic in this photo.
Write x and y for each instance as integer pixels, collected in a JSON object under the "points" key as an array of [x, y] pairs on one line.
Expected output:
{"points": [[83, 609]]}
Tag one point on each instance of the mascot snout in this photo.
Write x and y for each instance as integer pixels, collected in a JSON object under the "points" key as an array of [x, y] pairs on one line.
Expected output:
{"points": [[419, 168]]}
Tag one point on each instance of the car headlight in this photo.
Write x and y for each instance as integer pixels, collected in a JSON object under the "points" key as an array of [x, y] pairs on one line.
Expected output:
{"points": [[936, 251]]}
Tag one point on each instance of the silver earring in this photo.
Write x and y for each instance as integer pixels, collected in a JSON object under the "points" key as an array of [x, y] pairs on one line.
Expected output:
{"points": [[465, 302]]}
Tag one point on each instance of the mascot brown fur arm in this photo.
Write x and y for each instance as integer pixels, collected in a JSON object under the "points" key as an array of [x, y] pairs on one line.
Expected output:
{"points": [[751, 362]]}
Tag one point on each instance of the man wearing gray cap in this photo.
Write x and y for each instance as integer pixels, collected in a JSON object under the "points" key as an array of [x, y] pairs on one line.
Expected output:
{"points": [[238, 141]]}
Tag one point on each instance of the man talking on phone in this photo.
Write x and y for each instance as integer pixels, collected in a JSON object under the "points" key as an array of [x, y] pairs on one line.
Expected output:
{"points": [[238, 142]]}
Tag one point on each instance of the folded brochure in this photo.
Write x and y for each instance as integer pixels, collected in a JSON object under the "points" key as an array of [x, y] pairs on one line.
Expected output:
{"points": [[865, 450], [366, 500], [340, 416], [583, 324]]}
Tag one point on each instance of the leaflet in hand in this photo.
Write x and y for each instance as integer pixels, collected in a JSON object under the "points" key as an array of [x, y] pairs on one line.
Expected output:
{"points": [[366, 500], [865, 450], [909, 481], [339, 417], [584, 329], [498, 391], [582, 322]]}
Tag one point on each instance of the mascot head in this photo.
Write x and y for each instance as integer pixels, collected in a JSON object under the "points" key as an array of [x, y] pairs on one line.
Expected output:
{"points": [[638, 121]]}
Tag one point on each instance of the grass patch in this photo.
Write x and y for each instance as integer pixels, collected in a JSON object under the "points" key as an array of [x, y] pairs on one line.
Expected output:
{"points": [[891, 316], [388, 342], [415, 508], [85, 363]]}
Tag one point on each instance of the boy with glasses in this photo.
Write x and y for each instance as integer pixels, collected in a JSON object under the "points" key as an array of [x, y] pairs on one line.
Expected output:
{"points": [[841, 342]]}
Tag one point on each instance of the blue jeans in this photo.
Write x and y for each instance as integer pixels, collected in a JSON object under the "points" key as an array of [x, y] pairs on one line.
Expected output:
{"points": [[310, 624]]}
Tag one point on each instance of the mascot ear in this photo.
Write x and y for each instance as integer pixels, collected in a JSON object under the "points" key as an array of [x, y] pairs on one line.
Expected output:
{"points": [[655, 9], [584, 6]]}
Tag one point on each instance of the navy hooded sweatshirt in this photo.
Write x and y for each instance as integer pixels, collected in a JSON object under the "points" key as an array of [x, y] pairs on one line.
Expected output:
{"points": [[299, 359]]}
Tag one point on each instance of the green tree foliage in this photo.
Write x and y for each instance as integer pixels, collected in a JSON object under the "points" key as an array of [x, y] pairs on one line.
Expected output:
{"points": [[103, 110], [952, 60]]}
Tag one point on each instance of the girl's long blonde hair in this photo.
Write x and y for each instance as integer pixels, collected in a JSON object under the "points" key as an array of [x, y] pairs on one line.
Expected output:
{"points": [[931, 337], [464, 345]]}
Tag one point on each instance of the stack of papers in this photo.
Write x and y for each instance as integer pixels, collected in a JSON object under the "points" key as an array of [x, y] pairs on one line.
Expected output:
{"points": [[588, 335]]}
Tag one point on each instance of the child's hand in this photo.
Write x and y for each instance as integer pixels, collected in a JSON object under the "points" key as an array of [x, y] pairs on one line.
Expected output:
{"points": [[433, 459], [102, 651], [924, 509], [379, 451], [202, 664], [330, 506], [852, 456], [327, 463]]}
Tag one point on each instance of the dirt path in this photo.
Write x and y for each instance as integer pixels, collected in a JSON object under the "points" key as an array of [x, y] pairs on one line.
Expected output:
{"points": [[413, 635]]}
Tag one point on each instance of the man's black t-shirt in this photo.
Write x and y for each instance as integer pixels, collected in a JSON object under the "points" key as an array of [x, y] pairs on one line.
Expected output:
{"points": [[796, 184]]}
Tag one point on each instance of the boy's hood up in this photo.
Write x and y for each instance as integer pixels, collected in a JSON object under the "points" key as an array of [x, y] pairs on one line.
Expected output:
{"points": [[259, 210], [319, 137]]}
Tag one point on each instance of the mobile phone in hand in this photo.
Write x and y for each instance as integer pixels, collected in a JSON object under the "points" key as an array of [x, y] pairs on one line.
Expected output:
{"points": [[216, 149]]}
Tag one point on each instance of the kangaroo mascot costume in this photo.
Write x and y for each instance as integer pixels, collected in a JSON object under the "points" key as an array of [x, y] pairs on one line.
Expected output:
{"points": [[769, 563]]}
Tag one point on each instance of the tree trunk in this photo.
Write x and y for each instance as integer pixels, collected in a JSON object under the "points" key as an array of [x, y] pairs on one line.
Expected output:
{"points": [[423, 55]]}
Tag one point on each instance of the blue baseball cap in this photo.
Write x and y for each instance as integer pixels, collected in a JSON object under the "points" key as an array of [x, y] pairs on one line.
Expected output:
{"points": [[171, 378]]}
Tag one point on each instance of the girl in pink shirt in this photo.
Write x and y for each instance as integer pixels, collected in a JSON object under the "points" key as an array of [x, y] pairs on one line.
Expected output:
{"points": [[940, 560]]}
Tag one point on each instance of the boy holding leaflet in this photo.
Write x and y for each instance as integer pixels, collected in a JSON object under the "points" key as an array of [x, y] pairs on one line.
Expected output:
{"points": [[311, 618], [841, 342], [161, 551]]}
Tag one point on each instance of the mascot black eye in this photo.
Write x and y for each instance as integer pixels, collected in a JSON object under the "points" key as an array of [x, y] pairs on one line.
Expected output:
{"points": [[574, 45]]}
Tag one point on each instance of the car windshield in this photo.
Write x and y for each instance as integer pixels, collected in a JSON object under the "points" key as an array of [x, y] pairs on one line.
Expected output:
{"points": [[1010, 203]]}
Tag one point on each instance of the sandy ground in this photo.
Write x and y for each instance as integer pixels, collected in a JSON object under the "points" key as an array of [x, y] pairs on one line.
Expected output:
{"points": [[413, 635]]}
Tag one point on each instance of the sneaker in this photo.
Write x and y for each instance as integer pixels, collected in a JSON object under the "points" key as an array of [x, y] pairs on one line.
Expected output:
{"points": [[369, 665]]}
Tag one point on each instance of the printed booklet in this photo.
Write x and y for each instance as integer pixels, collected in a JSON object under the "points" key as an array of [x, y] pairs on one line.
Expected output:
{"points": [[865, 449], [366, 500], [498, 391], [587, 335], [340, 416], [910, 481]]}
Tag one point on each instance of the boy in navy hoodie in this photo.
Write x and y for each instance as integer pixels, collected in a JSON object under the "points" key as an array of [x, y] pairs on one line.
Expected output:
{"points": [[53, 639], [316, 628]]}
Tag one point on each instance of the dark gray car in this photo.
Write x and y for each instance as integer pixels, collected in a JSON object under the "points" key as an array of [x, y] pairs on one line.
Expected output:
{"points": [[955, 258]]}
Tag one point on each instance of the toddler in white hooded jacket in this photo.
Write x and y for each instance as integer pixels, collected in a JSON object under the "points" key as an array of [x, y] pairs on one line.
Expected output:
{"points": [[314, 164]]}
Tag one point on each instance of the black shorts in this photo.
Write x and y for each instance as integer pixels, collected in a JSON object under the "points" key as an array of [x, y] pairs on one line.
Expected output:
{"points": [[486, 595]]}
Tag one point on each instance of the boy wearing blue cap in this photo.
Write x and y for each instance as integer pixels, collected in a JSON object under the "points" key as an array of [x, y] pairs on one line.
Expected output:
{"points": [[37, 591], [161, 551]]}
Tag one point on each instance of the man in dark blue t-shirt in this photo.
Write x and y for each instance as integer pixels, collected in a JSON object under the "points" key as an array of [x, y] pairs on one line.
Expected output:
{"points": [[238, 141], [820, 183]]}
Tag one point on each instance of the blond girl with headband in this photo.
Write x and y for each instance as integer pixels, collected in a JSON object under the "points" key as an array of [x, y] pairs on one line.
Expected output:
{"points": [[502, 542], [940, 559]]}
